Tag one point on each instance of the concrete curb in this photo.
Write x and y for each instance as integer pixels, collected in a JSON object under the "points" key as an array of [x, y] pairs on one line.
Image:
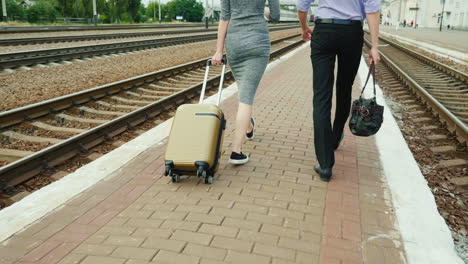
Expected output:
{"points": [[426, 236]]}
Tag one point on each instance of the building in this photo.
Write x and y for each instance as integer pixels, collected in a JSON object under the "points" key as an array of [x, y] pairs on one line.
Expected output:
{"points": [[426, 13]]}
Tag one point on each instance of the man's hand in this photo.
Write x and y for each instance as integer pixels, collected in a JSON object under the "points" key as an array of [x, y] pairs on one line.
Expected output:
{"points": [[306, 30], [307, 34], [373, 20], [374, 55]]}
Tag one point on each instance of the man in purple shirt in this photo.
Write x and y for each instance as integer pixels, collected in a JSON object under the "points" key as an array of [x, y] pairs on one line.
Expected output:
{"points": [[337, 33]]}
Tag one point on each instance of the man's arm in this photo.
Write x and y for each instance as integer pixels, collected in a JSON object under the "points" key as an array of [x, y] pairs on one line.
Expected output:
{"points": [[372, 9], [306, 30], [373, 20], [302, 10]]}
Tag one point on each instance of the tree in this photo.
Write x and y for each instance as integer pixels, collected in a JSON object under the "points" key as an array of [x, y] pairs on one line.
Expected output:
{"points": [[141, 15], [14, 10], [133, 8], [79, 9], [152, 11], [191, 10], [65, 7], [42, 9], [117, 10]]}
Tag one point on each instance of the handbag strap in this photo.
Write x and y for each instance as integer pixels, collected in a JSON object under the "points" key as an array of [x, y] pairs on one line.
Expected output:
{"points": [[371, 71]]}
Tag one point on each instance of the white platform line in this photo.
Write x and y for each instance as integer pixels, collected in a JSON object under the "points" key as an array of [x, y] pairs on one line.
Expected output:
{"points": [[426, 236], [38, 204]]}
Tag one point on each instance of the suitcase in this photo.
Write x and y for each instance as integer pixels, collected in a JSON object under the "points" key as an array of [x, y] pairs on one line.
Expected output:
{"points": [[196, 137]]}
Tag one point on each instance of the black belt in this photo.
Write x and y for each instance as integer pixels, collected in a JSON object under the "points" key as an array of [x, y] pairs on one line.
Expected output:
{"points": [[337, 21]]}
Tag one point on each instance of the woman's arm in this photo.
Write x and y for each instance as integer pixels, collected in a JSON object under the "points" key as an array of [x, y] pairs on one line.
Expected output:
{"points": [[274, 11], [222, 31]]}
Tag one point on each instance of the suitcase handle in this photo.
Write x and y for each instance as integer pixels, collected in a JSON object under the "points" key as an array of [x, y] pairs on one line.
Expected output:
{"points": [[208, 62], [205, 81]]}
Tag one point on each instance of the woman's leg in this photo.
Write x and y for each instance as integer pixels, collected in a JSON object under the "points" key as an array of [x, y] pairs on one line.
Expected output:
{"points": [[243, 124], [248, 74]]}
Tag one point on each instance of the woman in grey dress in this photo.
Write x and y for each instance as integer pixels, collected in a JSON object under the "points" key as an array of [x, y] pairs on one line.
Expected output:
{"points": [[244, 29]]}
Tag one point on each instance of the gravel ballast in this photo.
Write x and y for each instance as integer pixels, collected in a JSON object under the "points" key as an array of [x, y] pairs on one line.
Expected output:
{"points": [[89, 32], [61, 45], [22, 88]]}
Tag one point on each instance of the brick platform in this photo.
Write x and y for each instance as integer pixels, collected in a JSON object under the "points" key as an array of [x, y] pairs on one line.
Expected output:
{"points": [[274, 209]]}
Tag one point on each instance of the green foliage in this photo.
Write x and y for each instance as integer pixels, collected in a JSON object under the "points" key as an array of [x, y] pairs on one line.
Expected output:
{"points": [[191, 10], [124, 10], [42, 10], [104, 19], [152, 11], [14, 10], [79, 9], [125, 17], [65, 7], [141, 15], [110, 11], [133, 9]]}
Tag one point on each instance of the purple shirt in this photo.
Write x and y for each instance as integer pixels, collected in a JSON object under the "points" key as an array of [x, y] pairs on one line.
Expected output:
{"points": [[341, 9]]}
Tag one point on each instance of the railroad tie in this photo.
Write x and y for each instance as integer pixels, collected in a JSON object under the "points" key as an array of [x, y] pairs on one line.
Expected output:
{"points": [[12, 155], [22, 137], [58, 129], [100, 112], [130, 101], [119, 106], [80, 119]]}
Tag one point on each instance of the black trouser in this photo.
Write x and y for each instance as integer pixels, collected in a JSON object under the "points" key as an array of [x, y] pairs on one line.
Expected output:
{"points": [[328, 42]]}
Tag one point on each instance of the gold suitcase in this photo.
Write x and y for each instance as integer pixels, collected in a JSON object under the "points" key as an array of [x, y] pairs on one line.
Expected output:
{"points": [[196, 137]]}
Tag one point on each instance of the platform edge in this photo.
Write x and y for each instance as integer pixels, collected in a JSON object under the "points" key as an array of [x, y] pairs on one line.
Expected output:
{"points": [[426, 236]]}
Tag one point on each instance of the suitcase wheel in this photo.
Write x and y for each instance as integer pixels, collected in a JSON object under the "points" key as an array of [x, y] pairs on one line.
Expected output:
{"points": [[200, 172], [175, 177], [209, 179], [167, 171]]}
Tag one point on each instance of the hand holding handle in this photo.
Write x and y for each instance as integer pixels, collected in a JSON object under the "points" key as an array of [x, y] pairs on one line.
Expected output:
{"points": [[205, 80], [209, 62]]}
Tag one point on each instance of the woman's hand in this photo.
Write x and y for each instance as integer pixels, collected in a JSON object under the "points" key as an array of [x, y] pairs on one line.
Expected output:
{"points": [[217, 58], [266, 13]]}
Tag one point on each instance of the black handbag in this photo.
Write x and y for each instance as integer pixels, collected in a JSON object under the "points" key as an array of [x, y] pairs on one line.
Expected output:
{"points": [[367, 115]]}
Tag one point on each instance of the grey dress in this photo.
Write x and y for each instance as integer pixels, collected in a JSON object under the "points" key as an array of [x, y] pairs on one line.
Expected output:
{"points": [[248, 42]]}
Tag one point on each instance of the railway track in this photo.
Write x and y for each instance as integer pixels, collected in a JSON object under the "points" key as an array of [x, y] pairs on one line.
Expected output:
{"points": [[30, 58], [58, 39], [44, 40], [429, 102], [43, 135], [39, 29], [440, 88]]}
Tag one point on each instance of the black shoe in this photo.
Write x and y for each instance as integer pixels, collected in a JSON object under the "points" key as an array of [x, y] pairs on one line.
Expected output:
{"points": [[238, 159], [250, 135], [337, 145], [325, 174]]}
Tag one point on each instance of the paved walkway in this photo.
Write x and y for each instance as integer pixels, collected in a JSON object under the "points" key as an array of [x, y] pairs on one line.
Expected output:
{"points": [[274, 209], [450, 39]]}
